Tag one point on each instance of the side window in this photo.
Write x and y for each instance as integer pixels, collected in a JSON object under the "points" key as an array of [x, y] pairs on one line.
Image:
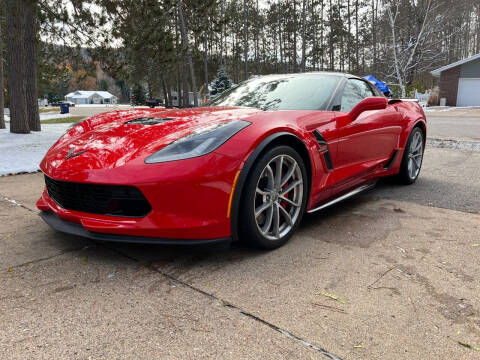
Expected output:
{"points": [[354, 92]]}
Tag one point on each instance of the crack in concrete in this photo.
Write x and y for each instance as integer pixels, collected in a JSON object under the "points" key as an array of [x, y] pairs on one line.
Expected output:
{"points": [[234, 307], [48, 257], [14, 202]]}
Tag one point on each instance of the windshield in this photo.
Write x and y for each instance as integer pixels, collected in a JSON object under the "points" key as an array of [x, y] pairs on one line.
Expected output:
{"points": [[285, 92]]}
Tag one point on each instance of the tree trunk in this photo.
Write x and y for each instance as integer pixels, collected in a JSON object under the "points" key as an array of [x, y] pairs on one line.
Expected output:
{"points": [[16, 66], [342, 42], [165, 92], [31, 27], [222, 29], [245, 39], [169, 93], [332, 59], [187, 52], [185, 95], [294, 36], [321, 35], [374, 34], [280, 39], [304, 25], [205, 66], [257, 45], [179, 65], [2, 86], [357, 54], [349, 55]]}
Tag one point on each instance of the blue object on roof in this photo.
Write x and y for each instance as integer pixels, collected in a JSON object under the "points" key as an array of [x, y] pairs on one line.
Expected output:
{"points": [[379, 84]]}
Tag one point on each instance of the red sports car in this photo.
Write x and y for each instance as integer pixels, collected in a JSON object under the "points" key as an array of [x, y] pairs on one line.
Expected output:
{"points": [[246, 167]]}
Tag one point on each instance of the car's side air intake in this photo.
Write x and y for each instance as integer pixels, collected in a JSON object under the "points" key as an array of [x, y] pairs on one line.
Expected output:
{"points": [[323, 149]]}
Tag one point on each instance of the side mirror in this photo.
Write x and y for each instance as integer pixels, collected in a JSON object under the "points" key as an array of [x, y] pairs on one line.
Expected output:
{"points": [[369, 103]]}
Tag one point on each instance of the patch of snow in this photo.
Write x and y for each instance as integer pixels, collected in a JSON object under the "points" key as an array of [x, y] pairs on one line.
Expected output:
{"points": [[102, 105], [47, 116], [450, 108], [23, 152], [11, 201], [454, 144]]}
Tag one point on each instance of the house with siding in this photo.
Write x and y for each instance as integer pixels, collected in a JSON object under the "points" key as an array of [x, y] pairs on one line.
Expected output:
{"points": [[460, 82], [91, 97]]}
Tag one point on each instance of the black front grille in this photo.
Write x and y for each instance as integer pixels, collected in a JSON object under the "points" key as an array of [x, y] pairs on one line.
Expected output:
{"points": [[98, 199]]}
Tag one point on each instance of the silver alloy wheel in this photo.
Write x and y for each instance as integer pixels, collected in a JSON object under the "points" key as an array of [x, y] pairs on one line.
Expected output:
{"points": [[278, 197], [415, 155]]}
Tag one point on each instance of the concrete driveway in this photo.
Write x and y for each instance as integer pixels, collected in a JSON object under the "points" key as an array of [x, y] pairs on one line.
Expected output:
{"points": [[403, 263]]}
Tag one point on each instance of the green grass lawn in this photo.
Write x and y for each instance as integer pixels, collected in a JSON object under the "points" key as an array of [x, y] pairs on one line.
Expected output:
{"points": [[48, 109], [61, 120]]}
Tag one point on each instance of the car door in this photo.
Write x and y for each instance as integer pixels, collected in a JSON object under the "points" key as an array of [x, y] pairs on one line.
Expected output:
{"points": [[366, 143]]}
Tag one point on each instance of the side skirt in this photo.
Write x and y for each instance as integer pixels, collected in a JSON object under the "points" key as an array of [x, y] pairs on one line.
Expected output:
{"points": [[343, 197]]}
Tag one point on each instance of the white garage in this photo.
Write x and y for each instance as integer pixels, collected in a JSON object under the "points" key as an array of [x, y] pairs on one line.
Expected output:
{"points": [[468, 92], [460, 82]]}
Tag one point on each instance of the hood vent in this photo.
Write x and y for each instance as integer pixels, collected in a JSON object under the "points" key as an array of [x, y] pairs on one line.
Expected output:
{"points": [[148, 121]]}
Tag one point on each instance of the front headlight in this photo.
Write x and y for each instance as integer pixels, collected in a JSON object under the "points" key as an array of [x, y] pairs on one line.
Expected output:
{"points": [[200, 142]]}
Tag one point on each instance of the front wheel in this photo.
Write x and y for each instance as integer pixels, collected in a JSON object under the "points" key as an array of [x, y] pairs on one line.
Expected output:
{"points": [[274, 198], [412, 157]]}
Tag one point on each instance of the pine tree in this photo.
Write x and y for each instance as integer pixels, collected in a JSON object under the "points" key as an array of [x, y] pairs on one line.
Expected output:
{"points": [[139, 95], [221, 82]]}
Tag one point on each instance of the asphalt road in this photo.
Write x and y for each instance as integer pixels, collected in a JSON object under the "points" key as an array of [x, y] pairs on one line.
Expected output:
{"points": [[94, 110], [402, 262], [467, 128]]}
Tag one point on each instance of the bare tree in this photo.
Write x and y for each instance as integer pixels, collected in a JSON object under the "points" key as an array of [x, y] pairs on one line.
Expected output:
{"points": [[406, 57]]}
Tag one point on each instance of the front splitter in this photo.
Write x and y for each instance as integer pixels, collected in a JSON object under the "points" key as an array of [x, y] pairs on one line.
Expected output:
{"points": [[77, 229]]}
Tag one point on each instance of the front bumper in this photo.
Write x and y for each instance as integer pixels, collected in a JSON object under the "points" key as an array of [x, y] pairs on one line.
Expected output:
{"points": [[77, 229], [189, 201]]}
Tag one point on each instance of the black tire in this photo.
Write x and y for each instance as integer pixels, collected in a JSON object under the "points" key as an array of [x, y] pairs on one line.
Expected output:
{"points": [[249, 227], [406, 175]]}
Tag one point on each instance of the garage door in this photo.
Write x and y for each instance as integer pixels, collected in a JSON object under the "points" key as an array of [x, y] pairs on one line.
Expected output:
{"points": [[468, 92]]}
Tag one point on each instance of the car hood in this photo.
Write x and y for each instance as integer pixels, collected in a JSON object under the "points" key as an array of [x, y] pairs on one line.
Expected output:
{"points": [[112, 139]]}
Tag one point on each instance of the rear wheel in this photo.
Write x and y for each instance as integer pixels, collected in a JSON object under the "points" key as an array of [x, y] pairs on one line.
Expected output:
{"points": [[274, 198], [412, 157]]}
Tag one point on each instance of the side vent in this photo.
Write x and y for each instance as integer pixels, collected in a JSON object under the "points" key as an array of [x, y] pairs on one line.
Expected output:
{"points": [[321, 141], [328, 160], [390, 162], [323, 149], [148, 121]]}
